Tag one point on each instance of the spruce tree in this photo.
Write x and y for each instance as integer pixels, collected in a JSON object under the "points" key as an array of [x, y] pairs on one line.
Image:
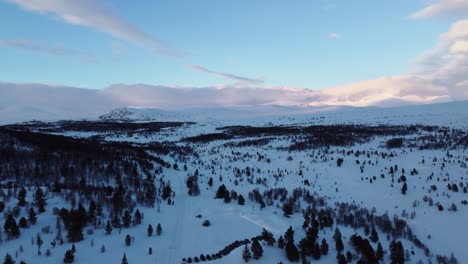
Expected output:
{"points": [[8, 259], [126, 219], [374, 236], [404, 188], [11, 228], [291, 251], [241, 200], [257, 250], [150, 230], [159, 229], [281, 242], [108, 228], [39, 200], [246, 254], [124, 259], [137, 217], [128, 240], [324, 247], [379, 253], [22, 197], [32, 216], [69, 256]]}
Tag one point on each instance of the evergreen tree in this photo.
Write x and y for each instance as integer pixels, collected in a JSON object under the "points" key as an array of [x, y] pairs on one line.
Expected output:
{"points": [[11, 228], [39, 243], [316, 252], [150, 230], [116, 221], [137, 217], [92, 212], [374, 236], [126, 219], [397, 253], [8, 259], [324, 247], [291, 251], [22, 197], [124, 259], [289, 234], [404, 188], [338, 241], [39, 200], [32, 217], [220, 193], [341, 259], [268, 237], [159, 229], [69, 257], [128, 240], [281, 242], [379, 253], [23, 223], [246, 254], [108, 228], [257, 250], [241, 200]]}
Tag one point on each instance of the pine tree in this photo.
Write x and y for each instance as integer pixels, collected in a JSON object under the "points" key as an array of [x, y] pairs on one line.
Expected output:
{"points": [[404, 188], [137, 217], [257, 250], [246, 254], [281, 242], [116, 221], [374, 236], [159, 229], [150, 230], [10, 227], [241, 200], [379, 253], [324, 247], [268, 237], [291, 251], [126, 219], [92, 212], [124, 259], [316, 252], [128, 240], [32, 216], [341, 259], [8, 259], [69, 257], [397, 253], [108, 228], [338, 241], [22, 197], [39, 200]]}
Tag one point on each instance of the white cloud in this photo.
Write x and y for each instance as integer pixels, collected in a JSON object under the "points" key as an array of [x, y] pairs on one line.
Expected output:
{"points": [[96, 15], [443, 8], [333, 36], [25, 44], [241, 80]]}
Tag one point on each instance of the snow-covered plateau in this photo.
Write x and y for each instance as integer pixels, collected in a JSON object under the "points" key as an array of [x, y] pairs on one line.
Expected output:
{"points": [[267, 184]]}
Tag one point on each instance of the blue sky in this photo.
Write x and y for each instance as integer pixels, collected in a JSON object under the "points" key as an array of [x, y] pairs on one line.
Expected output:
{"points": [[309, 44]]}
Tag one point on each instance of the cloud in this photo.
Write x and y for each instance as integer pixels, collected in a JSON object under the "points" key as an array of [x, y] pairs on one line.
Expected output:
{"points": [[333, 36], [240, 79], [443, 8], [96, 15], [447, 62], [24, 44]]}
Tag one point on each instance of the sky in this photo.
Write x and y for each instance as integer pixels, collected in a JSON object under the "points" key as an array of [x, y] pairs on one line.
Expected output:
{"points": [[262, 43]]}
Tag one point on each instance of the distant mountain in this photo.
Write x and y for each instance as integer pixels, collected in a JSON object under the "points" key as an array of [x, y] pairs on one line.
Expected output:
{"points": [[24, 102]]}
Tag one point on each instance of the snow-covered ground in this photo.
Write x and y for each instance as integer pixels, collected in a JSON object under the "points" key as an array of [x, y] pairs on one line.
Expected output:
{"points": [[444, 232]]}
